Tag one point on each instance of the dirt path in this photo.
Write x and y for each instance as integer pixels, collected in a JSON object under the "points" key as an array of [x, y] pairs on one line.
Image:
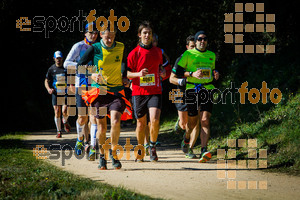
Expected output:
{"points": [[173, 176]]}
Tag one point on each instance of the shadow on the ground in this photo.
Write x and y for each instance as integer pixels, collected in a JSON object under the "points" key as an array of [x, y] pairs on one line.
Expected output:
{"points": [[30, 144], [166, 143]]}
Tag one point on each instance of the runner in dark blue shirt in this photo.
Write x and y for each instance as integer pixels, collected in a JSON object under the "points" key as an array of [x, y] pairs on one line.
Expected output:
{"points": [[56, 85]]}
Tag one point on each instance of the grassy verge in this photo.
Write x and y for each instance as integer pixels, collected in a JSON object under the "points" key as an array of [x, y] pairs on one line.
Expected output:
{"points": [[278, 131], [22, 176]]}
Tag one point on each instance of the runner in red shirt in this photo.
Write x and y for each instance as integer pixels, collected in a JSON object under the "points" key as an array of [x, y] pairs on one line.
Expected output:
{"points": [[144, 68]]}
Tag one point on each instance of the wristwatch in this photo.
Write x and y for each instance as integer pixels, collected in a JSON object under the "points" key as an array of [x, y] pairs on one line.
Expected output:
{"points": [[191, 74]]}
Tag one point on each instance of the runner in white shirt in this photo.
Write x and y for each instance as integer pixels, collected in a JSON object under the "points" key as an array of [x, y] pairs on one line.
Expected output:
{"points": [[81, 82]]}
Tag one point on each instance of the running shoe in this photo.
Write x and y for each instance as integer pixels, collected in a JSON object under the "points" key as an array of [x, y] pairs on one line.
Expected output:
{"points": [[190, 154], [79, 147], [59, 134], [203, 150], [153, 155], [139, 160], [115, 162], [92, 154], [158, 144], [205, 156], [185, 144], [102, 164], [147, 147], [87, 147], [67, 127]]}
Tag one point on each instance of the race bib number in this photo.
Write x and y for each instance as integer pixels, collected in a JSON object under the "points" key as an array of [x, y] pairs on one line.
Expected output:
{"points": [[206, 73], [147, 80], [60, 84]]}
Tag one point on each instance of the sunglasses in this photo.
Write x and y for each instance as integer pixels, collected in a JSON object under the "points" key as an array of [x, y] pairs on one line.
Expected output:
{"points": [[93, 32], [202, 38]]}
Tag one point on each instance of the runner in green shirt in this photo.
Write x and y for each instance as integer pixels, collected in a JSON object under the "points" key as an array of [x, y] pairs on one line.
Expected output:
{"points": [[198, 65]]}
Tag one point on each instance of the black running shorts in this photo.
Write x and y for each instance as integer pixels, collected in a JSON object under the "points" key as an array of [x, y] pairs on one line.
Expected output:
{"points": [[194, 104], [108, 102], [142, 103]]}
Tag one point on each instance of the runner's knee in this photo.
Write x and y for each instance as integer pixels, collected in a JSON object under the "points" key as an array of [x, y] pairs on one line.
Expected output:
{"points": [[115, 122], [141, 125], [82, 120], [154, 121], [192, 123], [93, 119], [182, 124], [205, 121], [57, 111], [64, 110]]}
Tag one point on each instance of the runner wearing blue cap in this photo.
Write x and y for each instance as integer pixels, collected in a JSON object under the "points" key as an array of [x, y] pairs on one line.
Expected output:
{"points": [[55, 83], [81, 82]]}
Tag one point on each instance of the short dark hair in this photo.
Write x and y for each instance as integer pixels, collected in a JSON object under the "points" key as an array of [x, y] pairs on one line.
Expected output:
{"points": [[190, 38], [108, 27], [145, 24]]}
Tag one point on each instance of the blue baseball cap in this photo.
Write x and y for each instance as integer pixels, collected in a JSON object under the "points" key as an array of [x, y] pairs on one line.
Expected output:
{"points": [[57, 54], [87, 27]]}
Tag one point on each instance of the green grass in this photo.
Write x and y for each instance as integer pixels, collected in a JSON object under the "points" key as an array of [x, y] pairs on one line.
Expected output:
{"points": [[277, 130], [22, 176]]}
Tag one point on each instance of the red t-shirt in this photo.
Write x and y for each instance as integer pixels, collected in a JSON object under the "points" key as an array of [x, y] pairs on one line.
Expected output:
{"points": [[140, 58]]}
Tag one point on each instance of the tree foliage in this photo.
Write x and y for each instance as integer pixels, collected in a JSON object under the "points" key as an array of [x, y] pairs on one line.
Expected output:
{"points": [[173, 21]]}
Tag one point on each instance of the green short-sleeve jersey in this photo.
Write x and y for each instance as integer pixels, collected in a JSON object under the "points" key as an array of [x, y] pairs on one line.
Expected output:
{"points": [[192, 60]]}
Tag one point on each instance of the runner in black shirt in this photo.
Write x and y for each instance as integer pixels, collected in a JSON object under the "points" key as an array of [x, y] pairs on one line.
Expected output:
{"points": [[56, 85]]}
